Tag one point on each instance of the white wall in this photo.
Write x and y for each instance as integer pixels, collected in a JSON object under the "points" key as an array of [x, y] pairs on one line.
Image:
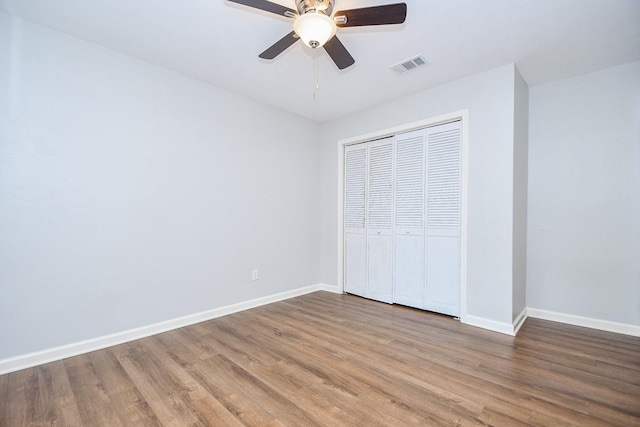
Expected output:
{"points": [[584, 196], [131, 195], [520, 191], [489, 97]]}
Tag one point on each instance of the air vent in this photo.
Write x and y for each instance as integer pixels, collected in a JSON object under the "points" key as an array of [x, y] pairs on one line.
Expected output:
{"points": [[410, 64]]}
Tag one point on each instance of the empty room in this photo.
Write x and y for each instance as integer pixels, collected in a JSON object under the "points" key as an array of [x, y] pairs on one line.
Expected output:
{"points": [[320, 213]]}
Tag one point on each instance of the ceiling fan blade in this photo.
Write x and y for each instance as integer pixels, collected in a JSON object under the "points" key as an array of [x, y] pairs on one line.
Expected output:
{"points": [[280, 46], [374, 15], [339, 53], [267, 6]]}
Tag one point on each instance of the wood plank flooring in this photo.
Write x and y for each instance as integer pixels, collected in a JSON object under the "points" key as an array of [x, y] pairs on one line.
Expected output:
{"points": [[338, 360]]}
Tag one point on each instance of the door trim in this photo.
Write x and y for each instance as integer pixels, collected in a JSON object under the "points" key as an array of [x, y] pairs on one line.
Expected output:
{"points": [[463, 117]]}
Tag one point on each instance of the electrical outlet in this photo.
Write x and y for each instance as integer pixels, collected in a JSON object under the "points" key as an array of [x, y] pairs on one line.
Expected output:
{"points": [[254, 275]]}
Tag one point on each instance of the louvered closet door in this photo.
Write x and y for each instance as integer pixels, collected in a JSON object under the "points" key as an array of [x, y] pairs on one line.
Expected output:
{"points": [[380, 221], [443, 219], [355, 238], [409, 283]]}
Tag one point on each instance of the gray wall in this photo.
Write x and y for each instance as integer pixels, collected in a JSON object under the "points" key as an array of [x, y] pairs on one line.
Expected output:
{"points": [[489, 97], [131, 195], [520, 191], [584, 196]]}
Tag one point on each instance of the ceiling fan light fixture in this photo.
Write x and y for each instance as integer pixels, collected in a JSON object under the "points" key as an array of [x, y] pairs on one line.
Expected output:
{"points": [[314, 28]]}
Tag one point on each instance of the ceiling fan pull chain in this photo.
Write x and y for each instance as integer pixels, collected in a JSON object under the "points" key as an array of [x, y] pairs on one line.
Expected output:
{"points": [[316, 85]]}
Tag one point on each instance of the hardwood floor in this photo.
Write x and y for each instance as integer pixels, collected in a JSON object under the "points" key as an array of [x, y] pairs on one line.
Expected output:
{"points": [[330, 360]]}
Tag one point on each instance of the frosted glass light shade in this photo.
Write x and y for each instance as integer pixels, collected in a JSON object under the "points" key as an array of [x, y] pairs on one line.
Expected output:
{"points": [[315, 29]]}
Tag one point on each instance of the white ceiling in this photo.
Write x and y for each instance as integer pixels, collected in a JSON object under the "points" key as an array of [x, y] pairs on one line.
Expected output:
{"points": [[218, 42]]}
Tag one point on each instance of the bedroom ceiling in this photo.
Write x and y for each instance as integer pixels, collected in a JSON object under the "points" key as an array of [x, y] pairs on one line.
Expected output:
{"points": [[218, 42]]}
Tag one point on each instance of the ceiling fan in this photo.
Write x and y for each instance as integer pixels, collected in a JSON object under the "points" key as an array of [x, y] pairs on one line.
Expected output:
{"points": [[315, 26]]}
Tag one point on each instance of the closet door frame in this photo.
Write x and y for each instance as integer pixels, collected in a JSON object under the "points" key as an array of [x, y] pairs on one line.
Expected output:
{"points": [[463, 117]]}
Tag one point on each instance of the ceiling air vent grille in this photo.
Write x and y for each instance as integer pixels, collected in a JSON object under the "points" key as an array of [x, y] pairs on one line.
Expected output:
{"points": [[410, 64]]}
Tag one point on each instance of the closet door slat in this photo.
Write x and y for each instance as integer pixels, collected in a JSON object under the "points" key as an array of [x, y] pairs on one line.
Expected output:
{"points": [[355, 203], [443, 219]]}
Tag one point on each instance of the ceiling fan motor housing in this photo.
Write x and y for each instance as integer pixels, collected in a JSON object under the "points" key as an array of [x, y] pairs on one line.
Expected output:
{"points": [[315, 6]]}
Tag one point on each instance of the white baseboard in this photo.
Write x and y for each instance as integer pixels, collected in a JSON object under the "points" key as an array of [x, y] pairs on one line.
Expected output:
{"points": [[570, 319], [491, 325], [330, 288], [587, 322], [58, 353], [519, 321]]}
